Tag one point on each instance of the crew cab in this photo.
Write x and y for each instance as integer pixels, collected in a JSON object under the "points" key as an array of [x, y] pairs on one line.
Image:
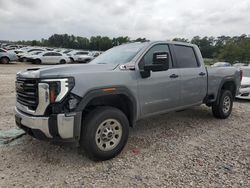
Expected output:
{"points": [[95, 104]]}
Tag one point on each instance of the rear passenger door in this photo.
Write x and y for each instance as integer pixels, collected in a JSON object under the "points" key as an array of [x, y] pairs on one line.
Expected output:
{"points": [[56, 57], [193, 75]]}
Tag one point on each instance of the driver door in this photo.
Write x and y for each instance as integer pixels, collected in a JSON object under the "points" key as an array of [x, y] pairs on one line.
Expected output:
{"points": [[160, 92]]}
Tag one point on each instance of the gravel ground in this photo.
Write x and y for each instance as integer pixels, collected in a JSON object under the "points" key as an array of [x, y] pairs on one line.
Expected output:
{"points": [[184, 149]]}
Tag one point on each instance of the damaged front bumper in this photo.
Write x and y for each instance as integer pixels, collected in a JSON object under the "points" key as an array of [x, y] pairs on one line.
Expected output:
{"points": [[55, 127]]}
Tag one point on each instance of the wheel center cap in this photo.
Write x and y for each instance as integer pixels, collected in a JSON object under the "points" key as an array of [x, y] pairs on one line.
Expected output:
{"points": [[107, 134]]}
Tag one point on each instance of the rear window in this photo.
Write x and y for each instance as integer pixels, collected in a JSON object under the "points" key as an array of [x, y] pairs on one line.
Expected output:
{"points": [[185, 56]]}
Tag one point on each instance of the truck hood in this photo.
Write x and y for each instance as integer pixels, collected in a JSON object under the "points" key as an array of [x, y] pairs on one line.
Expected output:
{"points": [[65, 70]]}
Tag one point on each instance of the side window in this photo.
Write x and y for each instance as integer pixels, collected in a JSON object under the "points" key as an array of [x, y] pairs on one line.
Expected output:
{"points": [[148, 57], [185, 56], [56, 54], [48, 54], [1, 50], [82, 53]]}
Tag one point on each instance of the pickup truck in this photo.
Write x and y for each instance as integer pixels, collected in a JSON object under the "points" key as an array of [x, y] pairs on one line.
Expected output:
{"points": [[95, 104]]}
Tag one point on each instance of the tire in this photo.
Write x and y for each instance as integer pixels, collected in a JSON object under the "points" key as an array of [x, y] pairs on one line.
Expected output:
{"points": [[223, 108], [38, 61], [72, 60], [25, 59], [62, 61], [5, 60], [104, 133]]}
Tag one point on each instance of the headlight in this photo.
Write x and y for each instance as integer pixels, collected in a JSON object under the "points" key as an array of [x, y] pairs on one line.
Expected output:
{"points": [[59, 88], [244, 86]]}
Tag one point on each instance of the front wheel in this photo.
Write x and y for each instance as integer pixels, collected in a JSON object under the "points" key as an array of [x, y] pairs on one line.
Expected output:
{"points": [[62, 61], [4, 60], [38, 61], [104, 133], [223, 108]]}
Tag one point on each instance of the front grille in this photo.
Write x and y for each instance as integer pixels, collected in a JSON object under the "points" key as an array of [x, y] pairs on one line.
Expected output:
{"points": [[27, 92]]}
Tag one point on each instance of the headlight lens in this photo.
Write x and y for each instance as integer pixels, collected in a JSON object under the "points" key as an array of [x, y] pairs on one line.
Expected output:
{"points": [[244, 86], [59, 88]]}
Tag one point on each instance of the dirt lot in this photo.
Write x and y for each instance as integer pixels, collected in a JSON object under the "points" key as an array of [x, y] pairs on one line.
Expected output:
{"points": [[184, 149]]}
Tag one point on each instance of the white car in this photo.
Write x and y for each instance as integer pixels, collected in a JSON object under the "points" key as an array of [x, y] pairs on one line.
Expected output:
{"points": [[6, 56], [50, 58], [23, 55], [30, 57], [80, 56], [244, 92], [221, 64]]}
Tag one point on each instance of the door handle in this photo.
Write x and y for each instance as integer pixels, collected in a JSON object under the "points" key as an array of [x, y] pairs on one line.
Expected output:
{"points": [[202, 74], [174, 76]]}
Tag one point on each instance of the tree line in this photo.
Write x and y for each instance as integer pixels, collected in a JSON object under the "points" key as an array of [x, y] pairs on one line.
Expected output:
{"points": [[223, 48], [100, 43]]}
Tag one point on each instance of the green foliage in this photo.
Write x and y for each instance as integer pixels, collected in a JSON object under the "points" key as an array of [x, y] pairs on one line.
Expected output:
{"points": [[223, 48], [180, 40], [77, 42], [236, 50]]}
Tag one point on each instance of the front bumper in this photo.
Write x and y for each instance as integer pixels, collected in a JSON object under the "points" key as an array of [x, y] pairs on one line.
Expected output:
{"points": [[56, 126], [244, 93]]}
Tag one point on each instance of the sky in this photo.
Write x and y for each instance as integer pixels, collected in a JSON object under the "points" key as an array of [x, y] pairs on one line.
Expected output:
{"points": [[153, 19]]}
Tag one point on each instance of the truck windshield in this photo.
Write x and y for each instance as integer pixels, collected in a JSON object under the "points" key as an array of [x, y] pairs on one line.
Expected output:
{"points": [[119, 55]]}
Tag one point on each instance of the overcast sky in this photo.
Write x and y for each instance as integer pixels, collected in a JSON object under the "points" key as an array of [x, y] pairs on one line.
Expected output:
{"points": [[153, 19]]}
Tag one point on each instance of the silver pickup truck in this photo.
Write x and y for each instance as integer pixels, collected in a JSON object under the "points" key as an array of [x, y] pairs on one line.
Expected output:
{"points": [[95, 104]]}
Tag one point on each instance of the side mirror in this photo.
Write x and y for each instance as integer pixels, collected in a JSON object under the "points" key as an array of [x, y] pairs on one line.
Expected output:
{"points": [[160, 62]]}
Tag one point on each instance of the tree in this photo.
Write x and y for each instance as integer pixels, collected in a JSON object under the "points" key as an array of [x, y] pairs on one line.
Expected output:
{"points": [[206, 45], [180, 40]]}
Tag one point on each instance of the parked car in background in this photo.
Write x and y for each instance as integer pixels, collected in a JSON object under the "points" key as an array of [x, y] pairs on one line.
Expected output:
{"points": [[23, 56], [32, 55], [67, 51], [239, 64], [80, 56], [49, 58], [6, 57], [95, 53], [244, 92], [221, 64]]}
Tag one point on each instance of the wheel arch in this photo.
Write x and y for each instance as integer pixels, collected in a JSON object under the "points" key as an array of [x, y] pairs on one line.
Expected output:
{"points": [[119, 97], [5, 57], [227, 84]]}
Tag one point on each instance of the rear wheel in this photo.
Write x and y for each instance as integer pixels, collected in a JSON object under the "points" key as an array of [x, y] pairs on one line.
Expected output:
{"points": [[223, 108], [4, 60], [104, 133]]}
